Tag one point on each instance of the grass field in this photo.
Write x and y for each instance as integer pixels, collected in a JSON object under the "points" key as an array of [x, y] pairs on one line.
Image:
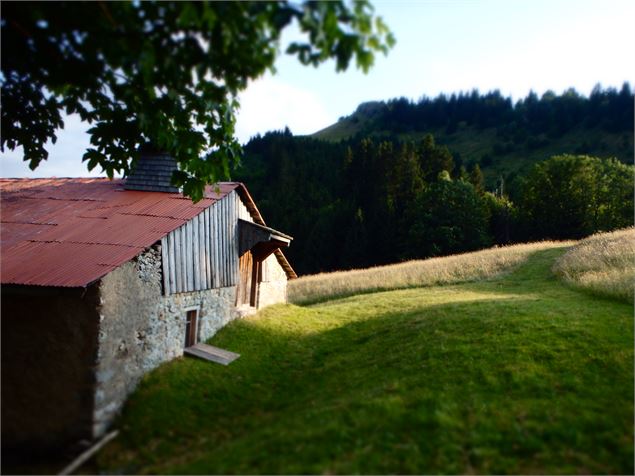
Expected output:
{"points": [[603, 264], [518, 374], [475, 266]]}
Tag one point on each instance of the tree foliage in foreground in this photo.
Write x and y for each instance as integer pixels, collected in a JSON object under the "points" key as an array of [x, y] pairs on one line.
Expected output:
{"points": [[161, 72]]}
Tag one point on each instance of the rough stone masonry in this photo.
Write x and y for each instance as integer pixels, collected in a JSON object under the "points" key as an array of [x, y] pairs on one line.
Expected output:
{"points": [[140, 328]]}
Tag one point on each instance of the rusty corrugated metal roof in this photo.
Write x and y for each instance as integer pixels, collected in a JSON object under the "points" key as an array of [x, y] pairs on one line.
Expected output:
{"points": [[71, 232]]}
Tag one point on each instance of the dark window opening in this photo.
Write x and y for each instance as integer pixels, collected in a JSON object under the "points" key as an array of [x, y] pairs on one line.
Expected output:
{"points": [[191, 328]]}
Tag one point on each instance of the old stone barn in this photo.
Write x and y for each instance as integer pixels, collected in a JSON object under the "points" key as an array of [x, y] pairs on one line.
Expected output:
{"points": [[104, 280]]}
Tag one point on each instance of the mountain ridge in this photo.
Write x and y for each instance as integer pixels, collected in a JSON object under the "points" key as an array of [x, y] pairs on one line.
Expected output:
{"points": [[575, 125]]}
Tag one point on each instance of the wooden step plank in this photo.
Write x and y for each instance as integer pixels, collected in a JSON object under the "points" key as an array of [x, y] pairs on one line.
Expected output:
{"points": [[211, 353], [217, 350]]}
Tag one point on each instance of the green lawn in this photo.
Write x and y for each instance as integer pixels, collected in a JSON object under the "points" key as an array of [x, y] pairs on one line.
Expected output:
{"points": [[515, 375]]}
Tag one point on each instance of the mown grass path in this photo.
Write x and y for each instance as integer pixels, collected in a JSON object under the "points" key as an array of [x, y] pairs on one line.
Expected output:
{"points": [[515, 375]]}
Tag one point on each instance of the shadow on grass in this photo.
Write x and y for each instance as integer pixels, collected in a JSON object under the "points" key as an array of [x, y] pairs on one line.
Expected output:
{"points": [[528, 377]]}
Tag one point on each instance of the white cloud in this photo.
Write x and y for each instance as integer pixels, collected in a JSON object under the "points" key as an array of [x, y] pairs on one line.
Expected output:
{"points": [[65, 156], [270, 104]]}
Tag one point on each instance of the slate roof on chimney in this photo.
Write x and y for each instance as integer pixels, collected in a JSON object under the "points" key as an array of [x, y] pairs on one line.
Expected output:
{"points": [[152, 173]]}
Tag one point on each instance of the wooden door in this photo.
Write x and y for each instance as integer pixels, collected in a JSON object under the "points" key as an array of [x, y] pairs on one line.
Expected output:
{"points": [[245, 265], [191, 328], [247, 292]]}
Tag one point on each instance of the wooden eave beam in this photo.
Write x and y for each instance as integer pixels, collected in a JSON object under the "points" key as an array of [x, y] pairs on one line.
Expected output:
{"points": [[260, 239], [262, 250]]}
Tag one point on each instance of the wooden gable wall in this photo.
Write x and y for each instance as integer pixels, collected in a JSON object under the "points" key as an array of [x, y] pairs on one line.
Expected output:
{"points": [[203, 253]]}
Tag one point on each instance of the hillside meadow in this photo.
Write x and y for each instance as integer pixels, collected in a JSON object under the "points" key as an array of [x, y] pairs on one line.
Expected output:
{"points": [[603, 264], [475, 266], [517, 373]]}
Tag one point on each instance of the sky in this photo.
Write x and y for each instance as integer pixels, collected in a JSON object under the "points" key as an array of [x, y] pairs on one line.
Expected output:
{"points": [[442, 47]]}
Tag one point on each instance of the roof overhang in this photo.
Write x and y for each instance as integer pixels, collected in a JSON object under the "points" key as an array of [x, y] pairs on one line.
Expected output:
{"points": [[259, 239], [248, 201]]}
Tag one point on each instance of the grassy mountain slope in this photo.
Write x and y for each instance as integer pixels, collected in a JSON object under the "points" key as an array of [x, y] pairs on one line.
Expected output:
{"points": [[516, 374], [603, 264], [495, 156]]}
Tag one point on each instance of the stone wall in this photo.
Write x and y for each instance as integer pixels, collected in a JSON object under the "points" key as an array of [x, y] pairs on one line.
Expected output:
{"points": [[273, 287], [140, 328], [272, 292], [70, 358], [49, 348]]}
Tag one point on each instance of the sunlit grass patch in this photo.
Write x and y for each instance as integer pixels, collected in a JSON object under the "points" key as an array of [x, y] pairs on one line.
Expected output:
{"points": [[454, 269], [603, 264], [514, 375]]}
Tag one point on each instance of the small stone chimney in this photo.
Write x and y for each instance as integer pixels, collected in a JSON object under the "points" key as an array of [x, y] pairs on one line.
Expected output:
{"points": [[152, 172]]}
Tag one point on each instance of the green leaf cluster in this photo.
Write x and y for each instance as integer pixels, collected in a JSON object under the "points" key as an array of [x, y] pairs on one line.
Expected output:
{"points": [[167, 73]]}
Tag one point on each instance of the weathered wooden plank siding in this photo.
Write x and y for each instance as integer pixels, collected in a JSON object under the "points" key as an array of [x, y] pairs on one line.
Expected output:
{"points": [[226, 236], [222, 234], [196, 269], [187, 244], [190, 256], [165, 261], [208, 276], [171, 265], [234, 236], [203, 253], [243, 213], [176, 238], [215, 242]]}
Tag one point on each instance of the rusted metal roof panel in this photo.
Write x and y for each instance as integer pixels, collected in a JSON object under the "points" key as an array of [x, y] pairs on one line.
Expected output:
{"points": [[63, 264], [71, 232], [13, 233]]}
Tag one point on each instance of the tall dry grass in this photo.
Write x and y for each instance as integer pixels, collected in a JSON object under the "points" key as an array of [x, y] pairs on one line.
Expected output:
{"points": [[434, 271], [603, 264]]}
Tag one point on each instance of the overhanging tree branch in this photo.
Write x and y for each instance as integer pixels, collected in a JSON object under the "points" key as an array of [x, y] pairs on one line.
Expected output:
{"points": [[163, 72]]}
